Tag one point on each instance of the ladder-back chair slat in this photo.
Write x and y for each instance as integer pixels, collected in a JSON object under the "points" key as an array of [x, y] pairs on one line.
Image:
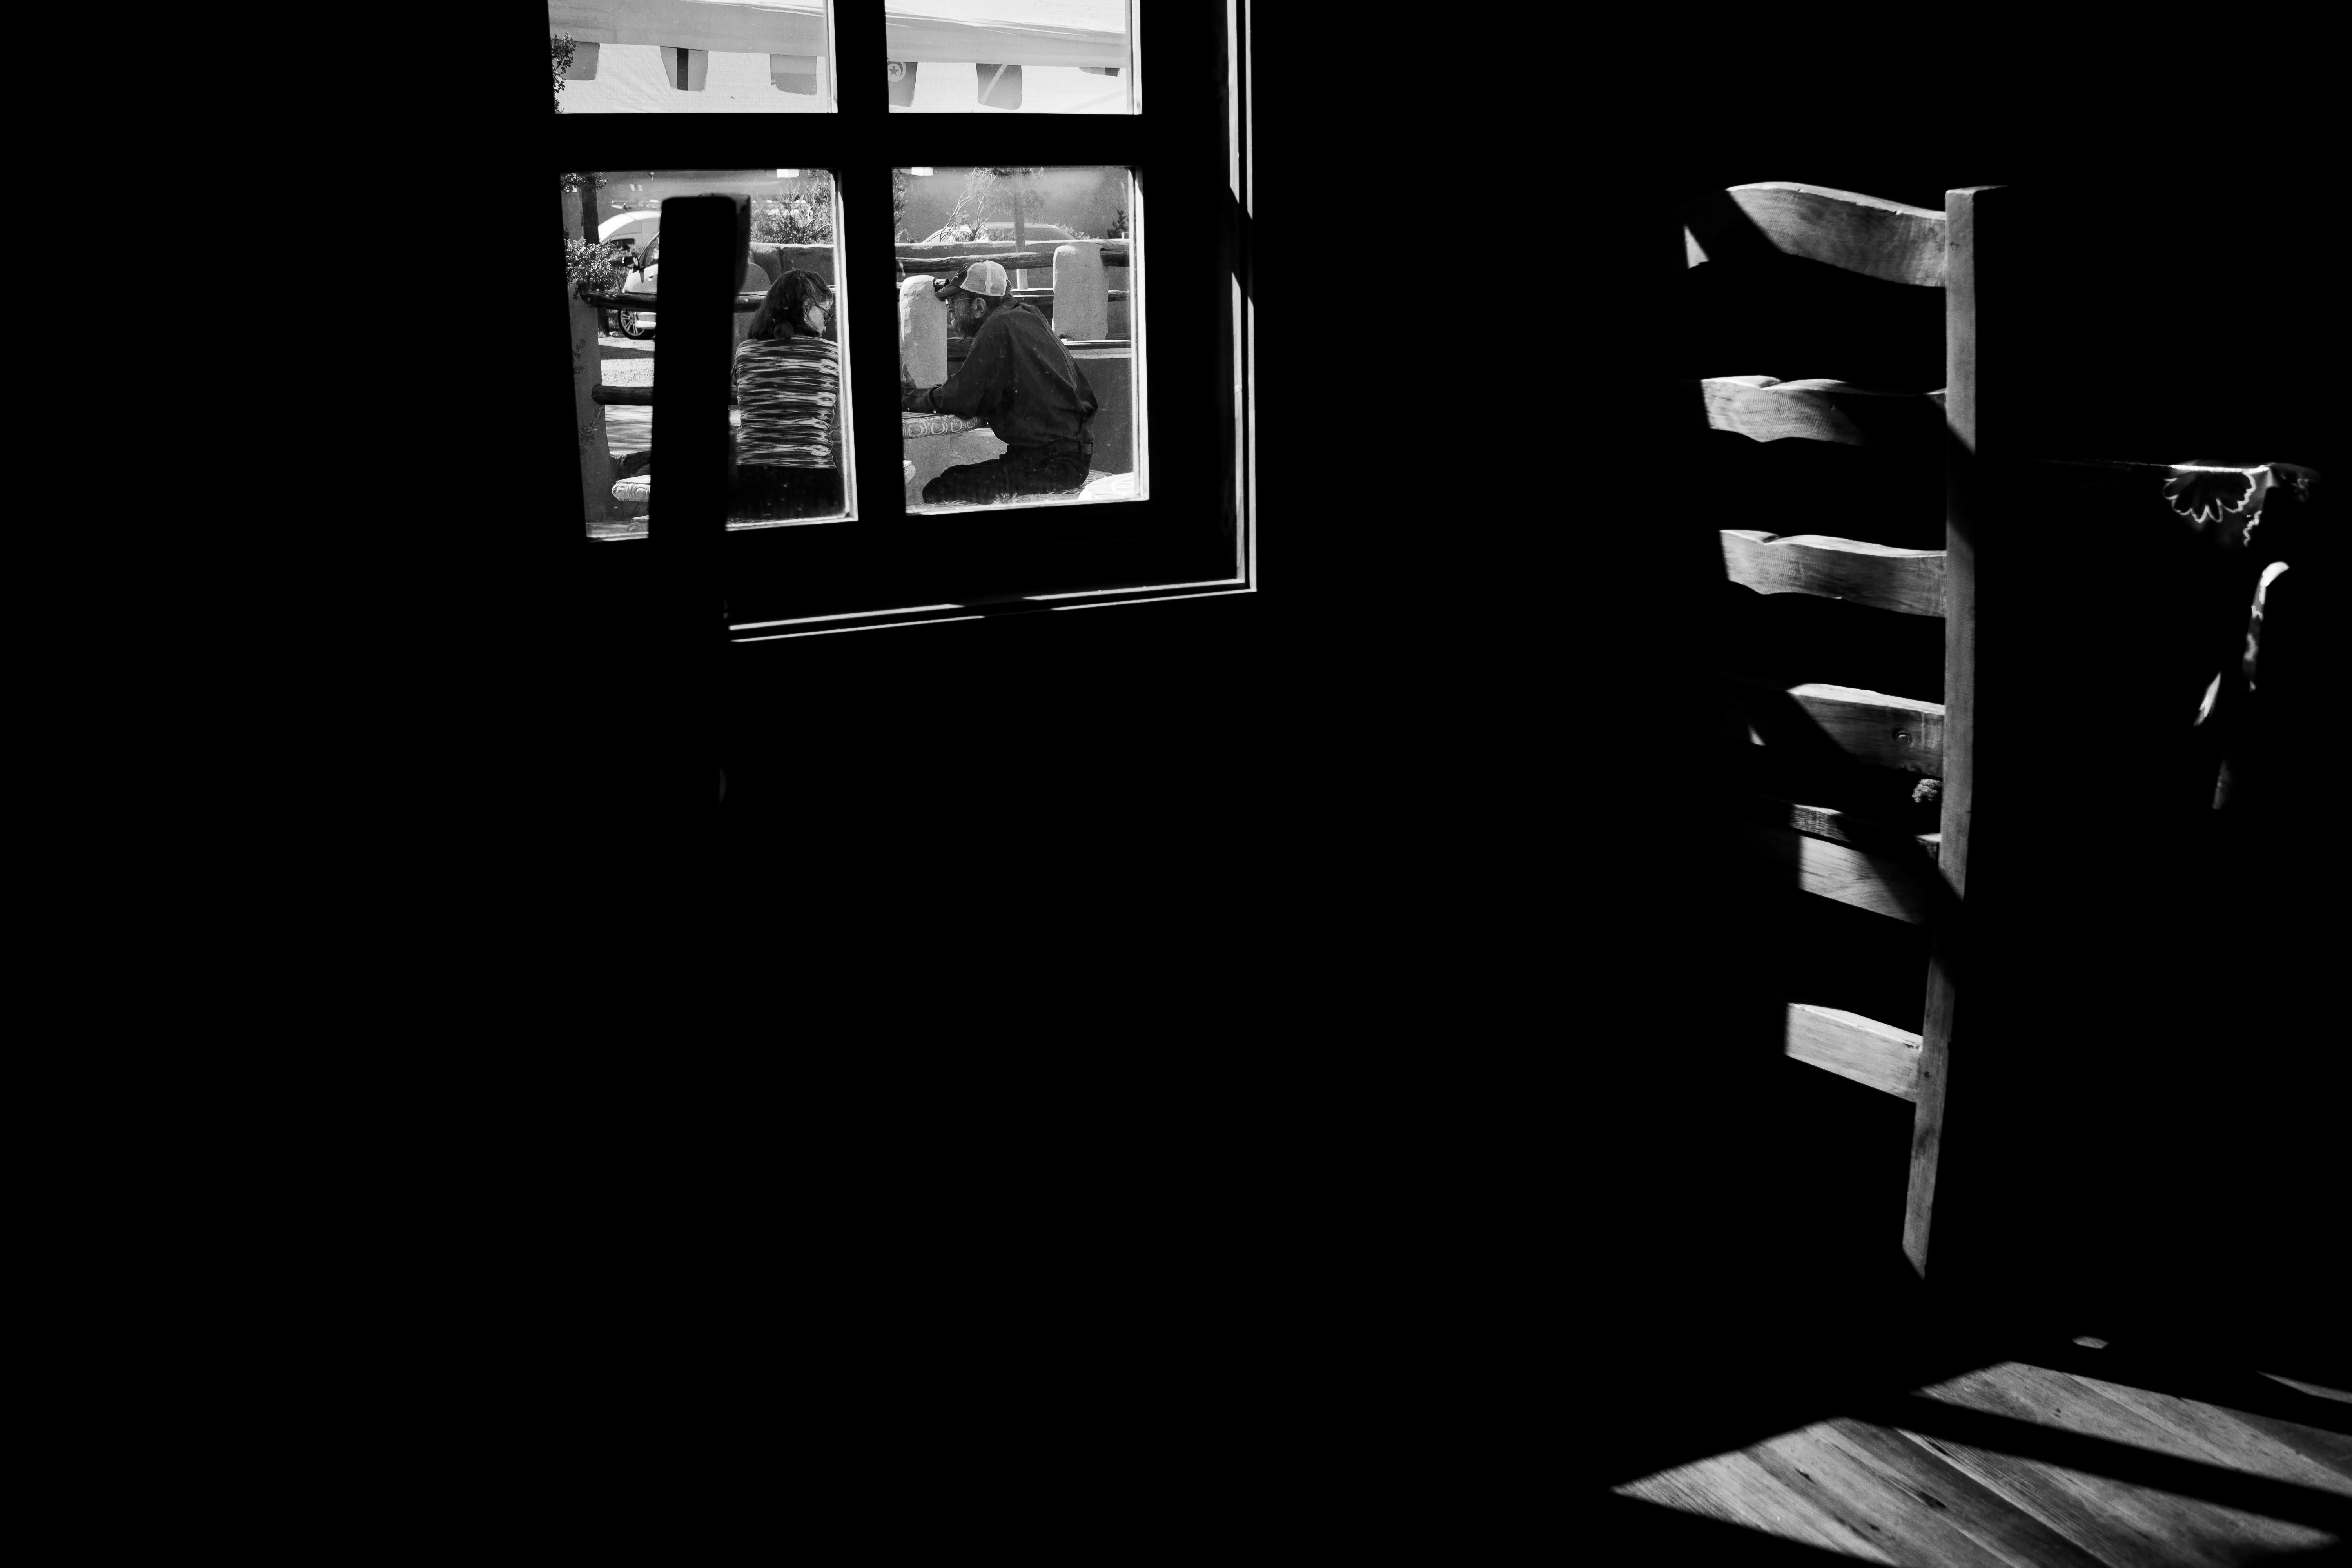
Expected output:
{"points": [[1853, 1047], [1908, 582], [1764, 408], [1877, 238], [1875, 729]]}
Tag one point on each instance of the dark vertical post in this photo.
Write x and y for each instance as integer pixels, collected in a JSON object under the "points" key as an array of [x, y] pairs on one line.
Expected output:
{"points": [[588, 414], [867, 290], [869, 303], [1963, 499], [705, 241], [1995, 1218]]}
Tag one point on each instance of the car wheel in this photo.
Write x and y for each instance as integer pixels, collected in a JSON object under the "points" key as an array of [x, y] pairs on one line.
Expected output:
{"points": [[629, 328]]}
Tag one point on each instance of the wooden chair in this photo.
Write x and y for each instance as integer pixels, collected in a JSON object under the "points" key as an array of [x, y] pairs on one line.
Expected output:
{"points": [[2015, 501], [1877, 862]]}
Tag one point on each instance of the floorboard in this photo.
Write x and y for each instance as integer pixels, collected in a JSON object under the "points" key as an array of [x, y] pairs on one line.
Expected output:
{"points": [[2221, 1436], [2053, 1419], [1637, 1530], [2107, 1520], [2020, 1464], [1903, 1523], [2311, 1421], [1738, 1489], [1982, 1513]]}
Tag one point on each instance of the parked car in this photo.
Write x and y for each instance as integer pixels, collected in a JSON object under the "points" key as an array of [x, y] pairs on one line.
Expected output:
{"points": [[644, 266], [645, 274], [640, 226], [1038, 236], [637, 230]]}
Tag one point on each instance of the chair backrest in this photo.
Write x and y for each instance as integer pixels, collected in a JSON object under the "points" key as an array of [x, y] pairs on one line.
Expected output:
{"points": [[2061, 587], [1866, 862]]}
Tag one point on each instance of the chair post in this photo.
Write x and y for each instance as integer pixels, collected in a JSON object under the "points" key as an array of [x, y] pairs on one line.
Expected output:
{"points": [[1965, 493], [2008, 1114]]}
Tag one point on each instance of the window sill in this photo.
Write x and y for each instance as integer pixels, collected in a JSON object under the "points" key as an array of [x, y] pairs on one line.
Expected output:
{"points": [[638, 527], [983, 607]]}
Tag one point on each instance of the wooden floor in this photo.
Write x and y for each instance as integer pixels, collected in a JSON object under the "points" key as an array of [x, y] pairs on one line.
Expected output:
{"points": [[2083, 1455]]}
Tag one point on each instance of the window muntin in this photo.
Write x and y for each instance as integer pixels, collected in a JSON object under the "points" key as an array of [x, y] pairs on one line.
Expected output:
{"points": [[695, 56], [1030, 56]]}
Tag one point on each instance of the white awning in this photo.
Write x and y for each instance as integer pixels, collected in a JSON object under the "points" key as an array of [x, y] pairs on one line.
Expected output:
{"points": [[746, 26], [916, 37], [735, 27]]}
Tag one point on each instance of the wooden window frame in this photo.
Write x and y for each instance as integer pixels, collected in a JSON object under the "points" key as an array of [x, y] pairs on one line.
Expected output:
{"points": [[1188, 154]]}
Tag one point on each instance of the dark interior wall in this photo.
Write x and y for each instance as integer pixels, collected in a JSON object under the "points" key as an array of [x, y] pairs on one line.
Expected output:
{"points": [[1428, 914], [1491, 793]]}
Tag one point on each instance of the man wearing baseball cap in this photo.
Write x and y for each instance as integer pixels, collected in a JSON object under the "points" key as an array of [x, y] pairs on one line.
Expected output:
{"points": [[1018, 378]]}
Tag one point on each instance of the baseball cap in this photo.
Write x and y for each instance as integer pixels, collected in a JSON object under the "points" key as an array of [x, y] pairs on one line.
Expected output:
{"points": [[982, 277]]}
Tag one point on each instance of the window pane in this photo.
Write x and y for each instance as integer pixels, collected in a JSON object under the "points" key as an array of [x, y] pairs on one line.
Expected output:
{"points": [[788, 397], [1017, 335], [1039, 56], [690, 57]]}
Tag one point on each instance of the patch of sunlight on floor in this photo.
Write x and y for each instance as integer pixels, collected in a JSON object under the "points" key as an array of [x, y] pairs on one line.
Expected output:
{"points": [[1736, 1487]]}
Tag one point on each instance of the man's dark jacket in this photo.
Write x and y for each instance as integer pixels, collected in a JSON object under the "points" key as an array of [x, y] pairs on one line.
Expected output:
{"points": [[1021, 380]]}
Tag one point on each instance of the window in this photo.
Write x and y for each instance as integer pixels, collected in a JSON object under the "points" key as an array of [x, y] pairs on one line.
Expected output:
{"points": [[1177, 171], [1077, 56], [745, 57], [1084, 296], [787, 382]]}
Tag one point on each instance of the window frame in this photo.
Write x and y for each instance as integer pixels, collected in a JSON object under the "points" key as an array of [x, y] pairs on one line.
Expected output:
{"points": [[1195, 532]]}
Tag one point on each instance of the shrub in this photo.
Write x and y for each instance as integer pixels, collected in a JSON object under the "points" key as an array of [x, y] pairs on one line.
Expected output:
{"points": [[595, 268], [802, 217]]}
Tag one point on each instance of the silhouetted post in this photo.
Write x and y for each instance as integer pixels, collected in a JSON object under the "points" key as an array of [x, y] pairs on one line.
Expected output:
{"points": [[705, 241], [587, 373], [2014, 1035]]}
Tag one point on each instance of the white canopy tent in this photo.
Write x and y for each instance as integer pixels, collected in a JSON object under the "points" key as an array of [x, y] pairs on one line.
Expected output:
{"points": [[770, 55]]}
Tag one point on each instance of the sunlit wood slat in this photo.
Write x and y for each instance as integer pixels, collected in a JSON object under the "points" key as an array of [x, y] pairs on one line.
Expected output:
{"points": [[1875, 727], [1908, 581], [1853, 1047], [1878, 239], [1765, 408]]}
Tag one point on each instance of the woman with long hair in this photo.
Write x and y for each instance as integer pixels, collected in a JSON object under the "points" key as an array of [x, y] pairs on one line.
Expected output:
{"points": [[788, 387]]}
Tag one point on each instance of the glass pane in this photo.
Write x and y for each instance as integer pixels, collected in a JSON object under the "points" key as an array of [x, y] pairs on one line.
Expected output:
{"points": [[690, 57], [1038, 57], [790, 365], [1017, 336]]}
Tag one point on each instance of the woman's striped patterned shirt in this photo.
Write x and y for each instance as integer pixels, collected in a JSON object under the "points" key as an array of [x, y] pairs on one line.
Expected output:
{"points": [[789, 390]]}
